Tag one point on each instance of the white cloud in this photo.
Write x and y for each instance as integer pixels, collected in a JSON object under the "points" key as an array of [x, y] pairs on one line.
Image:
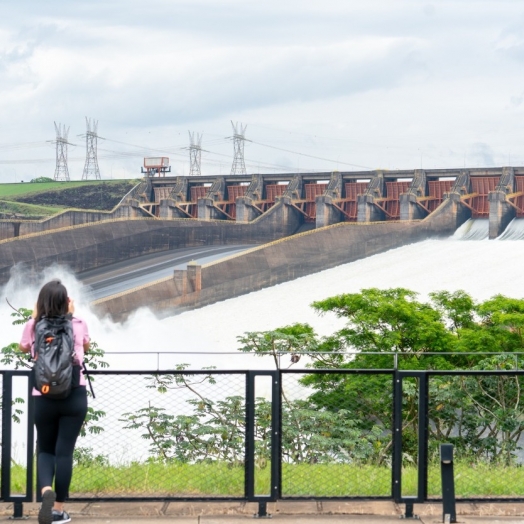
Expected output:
{"points": [[383, 82]]}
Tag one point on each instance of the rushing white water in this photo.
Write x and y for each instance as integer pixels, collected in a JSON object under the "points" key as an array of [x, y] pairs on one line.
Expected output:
{"points": [[478, 229], [473, 230], [514, 231], [208, 336], [200, 337]]}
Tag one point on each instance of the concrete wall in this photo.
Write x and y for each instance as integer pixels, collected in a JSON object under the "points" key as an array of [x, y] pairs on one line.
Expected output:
{"points": [[501, 212], [69, 218], [448, 217], [264, 266], [93, 245]]}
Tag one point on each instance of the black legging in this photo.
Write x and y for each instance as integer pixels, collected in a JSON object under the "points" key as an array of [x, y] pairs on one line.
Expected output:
{"points": [[58, 424]]}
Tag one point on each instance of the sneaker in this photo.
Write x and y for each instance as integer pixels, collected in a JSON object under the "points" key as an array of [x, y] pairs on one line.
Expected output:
{"points": [[45, 515], [60, 517]]}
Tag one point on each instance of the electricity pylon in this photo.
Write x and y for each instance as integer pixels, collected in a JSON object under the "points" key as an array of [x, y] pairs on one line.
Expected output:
{"points": [[91, 169], [239, 166], [61, 170], [195, 154]]}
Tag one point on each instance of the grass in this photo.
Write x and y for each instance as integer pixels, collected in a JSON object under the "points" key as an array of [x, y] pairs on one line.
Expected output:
{"points": [[20, 189], [211, 480], [335, 480], [27, 210], [55, 201], [473, 480], [302, 480], [18, 478]]}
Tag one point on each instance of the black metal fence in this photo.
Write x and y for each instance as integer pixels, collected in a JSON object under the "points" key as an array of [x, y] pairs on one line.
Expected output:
{"points": [[262, 436]]}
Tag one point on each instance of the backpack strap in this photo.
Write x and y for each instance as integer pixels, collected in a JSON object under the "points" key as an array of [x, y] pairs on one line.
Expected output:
{"points": [[88, 379]]}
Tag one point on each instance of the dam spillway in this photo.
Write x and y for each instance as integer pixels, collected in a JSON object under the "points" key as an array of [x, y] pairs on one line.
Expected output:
{"points": [[427, 266], [514, 231], [199, 336], [202, 337], [386, 210], [313, 199]]}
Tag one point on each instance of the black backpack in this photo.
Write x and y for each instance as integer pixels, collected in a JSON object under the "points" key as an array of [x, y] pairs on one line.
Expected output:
{"points": [[54, 370]]}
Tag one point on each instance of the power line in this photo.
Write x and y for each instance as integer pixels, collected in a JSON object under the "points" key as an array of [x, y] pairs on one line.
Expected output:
{"points": [[238, 166], [23, 145], [310, 156]]}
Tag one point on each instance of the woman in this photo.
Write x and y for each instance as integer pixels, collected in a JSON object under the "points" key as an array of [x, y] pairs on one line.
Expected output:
{"points": [[58, 422]]}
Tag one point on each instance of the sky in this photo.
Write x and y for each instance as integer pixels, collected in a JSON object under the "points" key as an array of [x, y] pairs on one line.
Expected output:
{"points": [[318, 85]]}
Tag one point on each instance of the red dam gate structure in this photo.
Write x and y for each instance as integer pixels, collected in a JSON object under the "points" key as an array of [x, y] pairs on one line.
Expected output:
{"points": [[350, 204]]}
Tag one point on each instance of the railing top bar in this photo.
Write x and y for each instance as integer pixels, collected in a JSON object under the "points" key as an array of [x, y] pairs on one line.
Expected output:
{"points": [[16, 372], [475, 372], [265, 372], [262, 372], [377, 371], [418, 371], [281, 353]]}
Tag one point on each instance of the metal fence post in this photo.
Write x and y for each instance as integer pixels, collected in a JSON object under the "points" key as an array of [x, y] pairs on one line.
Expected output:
{"points": [[423, 430], [449, 513], [423, 421], [7, 439], [275, 441], [7, 400], [396, 470]]}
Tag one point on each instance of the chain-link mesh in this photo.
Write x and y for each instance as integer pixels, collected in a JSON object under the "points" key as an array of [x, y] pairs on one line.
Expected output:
{"points": [[336, 435], [410, 436], [165, 435], [19, 433], [483, 417], [183, 435], [16, 442]]}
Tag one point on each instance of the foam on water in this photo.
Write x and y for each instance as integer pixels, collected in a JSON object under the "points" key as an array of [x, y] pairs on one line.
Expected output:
{"points": [[514, 231], [477, 229], [483, 269]]}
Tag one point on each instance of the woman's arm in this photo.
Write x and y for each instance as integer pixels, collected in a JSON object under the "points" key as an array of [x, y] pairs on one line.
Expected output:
{"points": [[24, 349], [27, 337]]}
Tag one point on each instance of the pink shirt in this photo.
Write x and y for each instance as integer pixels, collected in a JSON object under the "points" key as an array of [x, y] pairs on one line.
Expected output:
{"points": [[80, 335]]}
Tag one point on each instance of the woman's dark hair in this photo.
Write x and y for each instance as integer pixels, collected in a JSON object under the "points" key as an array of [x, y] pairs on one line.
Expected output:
{"points": [[52, 301]]}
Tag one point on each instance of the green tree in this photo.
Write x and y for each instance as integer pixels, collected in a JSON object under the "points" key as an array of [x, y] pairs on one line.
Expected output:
{"points": [[450, 331]]}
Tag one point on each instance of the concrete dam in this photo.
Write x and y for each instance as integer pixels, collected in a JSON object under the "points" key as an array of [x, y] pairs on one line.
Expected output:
{"points": [[305, 222]]}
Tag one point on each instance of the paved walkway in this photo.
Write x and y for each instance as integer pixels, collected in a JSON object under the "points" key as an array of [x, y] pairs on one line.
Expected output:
{"points": [[311, 519], [287, 512]]}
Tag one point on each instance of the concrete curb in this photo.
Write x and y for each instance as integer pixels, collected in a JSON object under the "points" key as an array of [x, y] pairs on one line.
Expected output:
{"points": [[319, 510]]}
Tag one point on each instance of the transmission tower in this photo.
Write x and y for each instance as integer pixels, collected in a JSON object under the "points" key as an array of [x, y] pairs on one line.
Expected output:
{"points": [[61, 171], [239, 166], [91, 169], [195, 154]]}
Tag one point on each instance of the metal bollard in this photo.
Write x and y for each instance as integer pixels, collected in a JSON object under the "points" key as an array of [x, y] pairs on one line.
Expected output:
{"points": [[18, 511], [448, 483], [262, 511]]}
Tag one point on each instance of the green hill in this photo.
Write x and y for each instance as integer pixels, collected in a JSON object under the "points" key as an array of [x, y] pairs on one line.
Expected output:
{"points": [[45, 198]]}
